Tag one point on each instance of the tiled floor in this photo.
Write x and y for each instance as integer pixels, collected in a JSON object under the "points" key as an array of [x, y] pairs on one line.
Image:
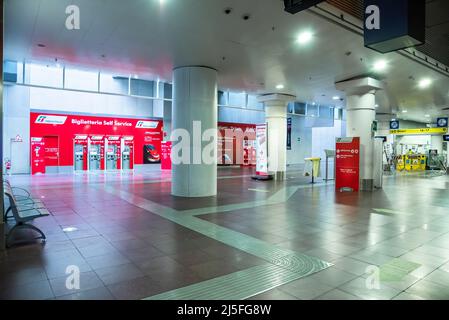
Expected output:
{"points": [[133, 240]]}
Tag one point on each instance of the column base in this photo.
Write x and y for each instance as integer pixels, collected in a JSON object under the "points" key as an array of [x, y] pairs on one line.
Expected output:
{"points": [[279, 176], [367, 185], [2, 237]]}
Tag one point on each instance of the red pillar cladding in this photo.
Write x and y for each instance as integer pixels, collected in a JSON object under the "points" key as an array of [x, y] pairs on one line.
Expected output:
{"points": [[347, 176]]}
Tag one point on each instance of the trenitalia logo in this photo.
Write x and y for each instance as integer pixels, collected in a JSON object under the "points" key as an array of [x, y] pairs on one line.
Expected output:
{"points": [[147, 124], [59, 120]]}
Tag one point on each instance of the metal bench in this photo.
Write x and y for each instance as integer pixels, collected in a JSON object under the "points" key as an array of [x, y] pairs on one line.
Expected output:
{"points": [[22, 197], [23, 214]]}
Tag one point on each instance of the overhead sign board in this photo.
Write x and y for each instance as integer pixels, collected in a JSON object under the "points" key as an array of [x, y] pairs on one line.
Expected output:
{"points": [[394, 25], [405, 132], [295, 6], [442, 122], [394, 124]]}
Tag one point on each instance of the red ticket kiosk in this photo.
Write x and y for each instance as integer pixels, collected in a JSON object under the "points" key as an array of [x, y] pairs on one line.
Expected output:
{"points": [[347, 164], [113, 146], [127, 153], [37, 156], [80, 143], [96, 152], [166, 155]]}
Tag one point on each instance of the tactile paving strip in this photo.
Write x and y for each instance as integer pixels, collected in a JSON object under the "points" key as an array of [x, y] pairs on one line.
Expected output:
{"points": [[286, 265], [235, 286]]}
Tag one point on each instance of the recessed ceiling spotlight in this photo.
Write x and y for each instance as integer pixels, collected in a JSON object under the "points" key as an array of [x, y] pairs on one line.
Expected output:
{"points": [[246, 16], [404, 111], [336, 98], [427, 116], [376, 106], [280, 86], [135, 76], [41, 45], [304, 37], [425, 83], [228, 10], [380, 65]]}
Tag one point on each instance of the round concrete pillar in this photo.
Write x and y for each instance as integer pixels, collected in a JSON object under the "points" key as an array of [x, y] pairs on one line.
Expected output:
{"points": [[194, 135], [361, 113]]}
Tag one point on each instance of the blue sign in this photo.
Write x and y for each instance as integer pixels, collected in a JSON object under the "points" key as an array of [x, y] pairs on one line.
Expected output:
{"points": [[295, 6], [394, 124], [391, 25], [289, 133], [442, 122]]}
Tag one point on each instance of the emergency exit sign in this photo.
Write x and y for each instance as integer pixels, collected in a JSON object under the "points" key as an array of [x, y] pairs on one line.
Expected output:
{"points": [[295, 6]]}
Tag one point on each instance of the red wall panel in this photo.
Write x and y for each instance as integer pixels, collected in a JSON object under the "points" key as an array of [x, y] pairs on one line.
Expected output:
{"points": [[66, 127]]}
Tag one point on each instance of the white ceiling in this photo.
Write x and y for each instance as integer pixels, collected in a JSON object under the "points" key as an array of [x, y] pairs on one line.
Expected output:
{"points": [[148, 38]]}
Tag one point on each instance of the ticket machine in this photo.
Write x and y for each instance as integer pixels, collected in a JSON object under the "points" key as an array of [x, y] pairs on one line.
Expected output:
{"points": [[127, 149], [80, 152], [113, 153], [96, 153]]}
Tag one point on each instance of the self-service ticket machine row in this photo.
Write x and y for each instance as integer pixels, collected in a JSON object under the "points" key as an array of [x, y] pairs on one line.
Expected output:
{"points": [[97, 152]]}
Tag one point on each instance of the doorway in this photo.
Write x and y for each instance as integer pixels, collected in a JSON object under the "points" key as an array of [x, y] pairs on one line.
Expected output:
{"points": [[52, 154]]}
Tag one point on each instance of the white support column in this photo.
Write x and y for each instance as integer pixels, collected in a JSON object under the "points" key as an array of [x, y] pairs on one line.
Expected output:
{"points": [[194, 114], [361, 113], [2, 207], [276, 118]]}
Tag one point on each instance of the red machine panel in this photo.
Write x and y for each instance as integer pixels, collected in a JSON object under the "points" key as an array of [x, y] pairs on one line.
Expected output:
{"points": [[347, 164], [128, 153], [166, 155], [96, 152], [38, 155], [80, 143]]}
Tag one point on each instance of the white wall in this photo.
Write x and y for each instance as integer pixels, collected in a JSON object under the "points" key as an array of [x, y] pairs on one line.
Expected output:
{"points": [[19, 100], [16, 100], [90, 103]]}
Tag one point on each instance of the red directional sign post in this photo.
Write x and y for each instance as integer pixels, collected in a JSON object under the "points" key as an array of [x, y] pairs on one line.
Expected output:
{"points": [[347, 164]]}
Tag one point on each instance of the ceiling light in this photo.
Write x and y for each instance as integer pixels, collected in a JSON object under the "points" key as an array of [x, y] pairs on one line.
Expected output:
{"points": [[376, 106], [425, 83], [380, 65], [336, 98], [280, 86], [304, 37], [135, 76], [427, 116], [404, 111]]}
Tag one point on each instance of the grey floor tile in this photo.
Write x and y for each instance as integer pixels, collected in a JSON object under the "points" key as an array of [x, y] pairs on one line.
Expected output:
{"points": [[306, 289], [34, 291], [359, 288], [101, 293], [135, 289], [333, 277], [337, 294], [116, 274], [274, 294], [87, 281], [429, 290]]}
